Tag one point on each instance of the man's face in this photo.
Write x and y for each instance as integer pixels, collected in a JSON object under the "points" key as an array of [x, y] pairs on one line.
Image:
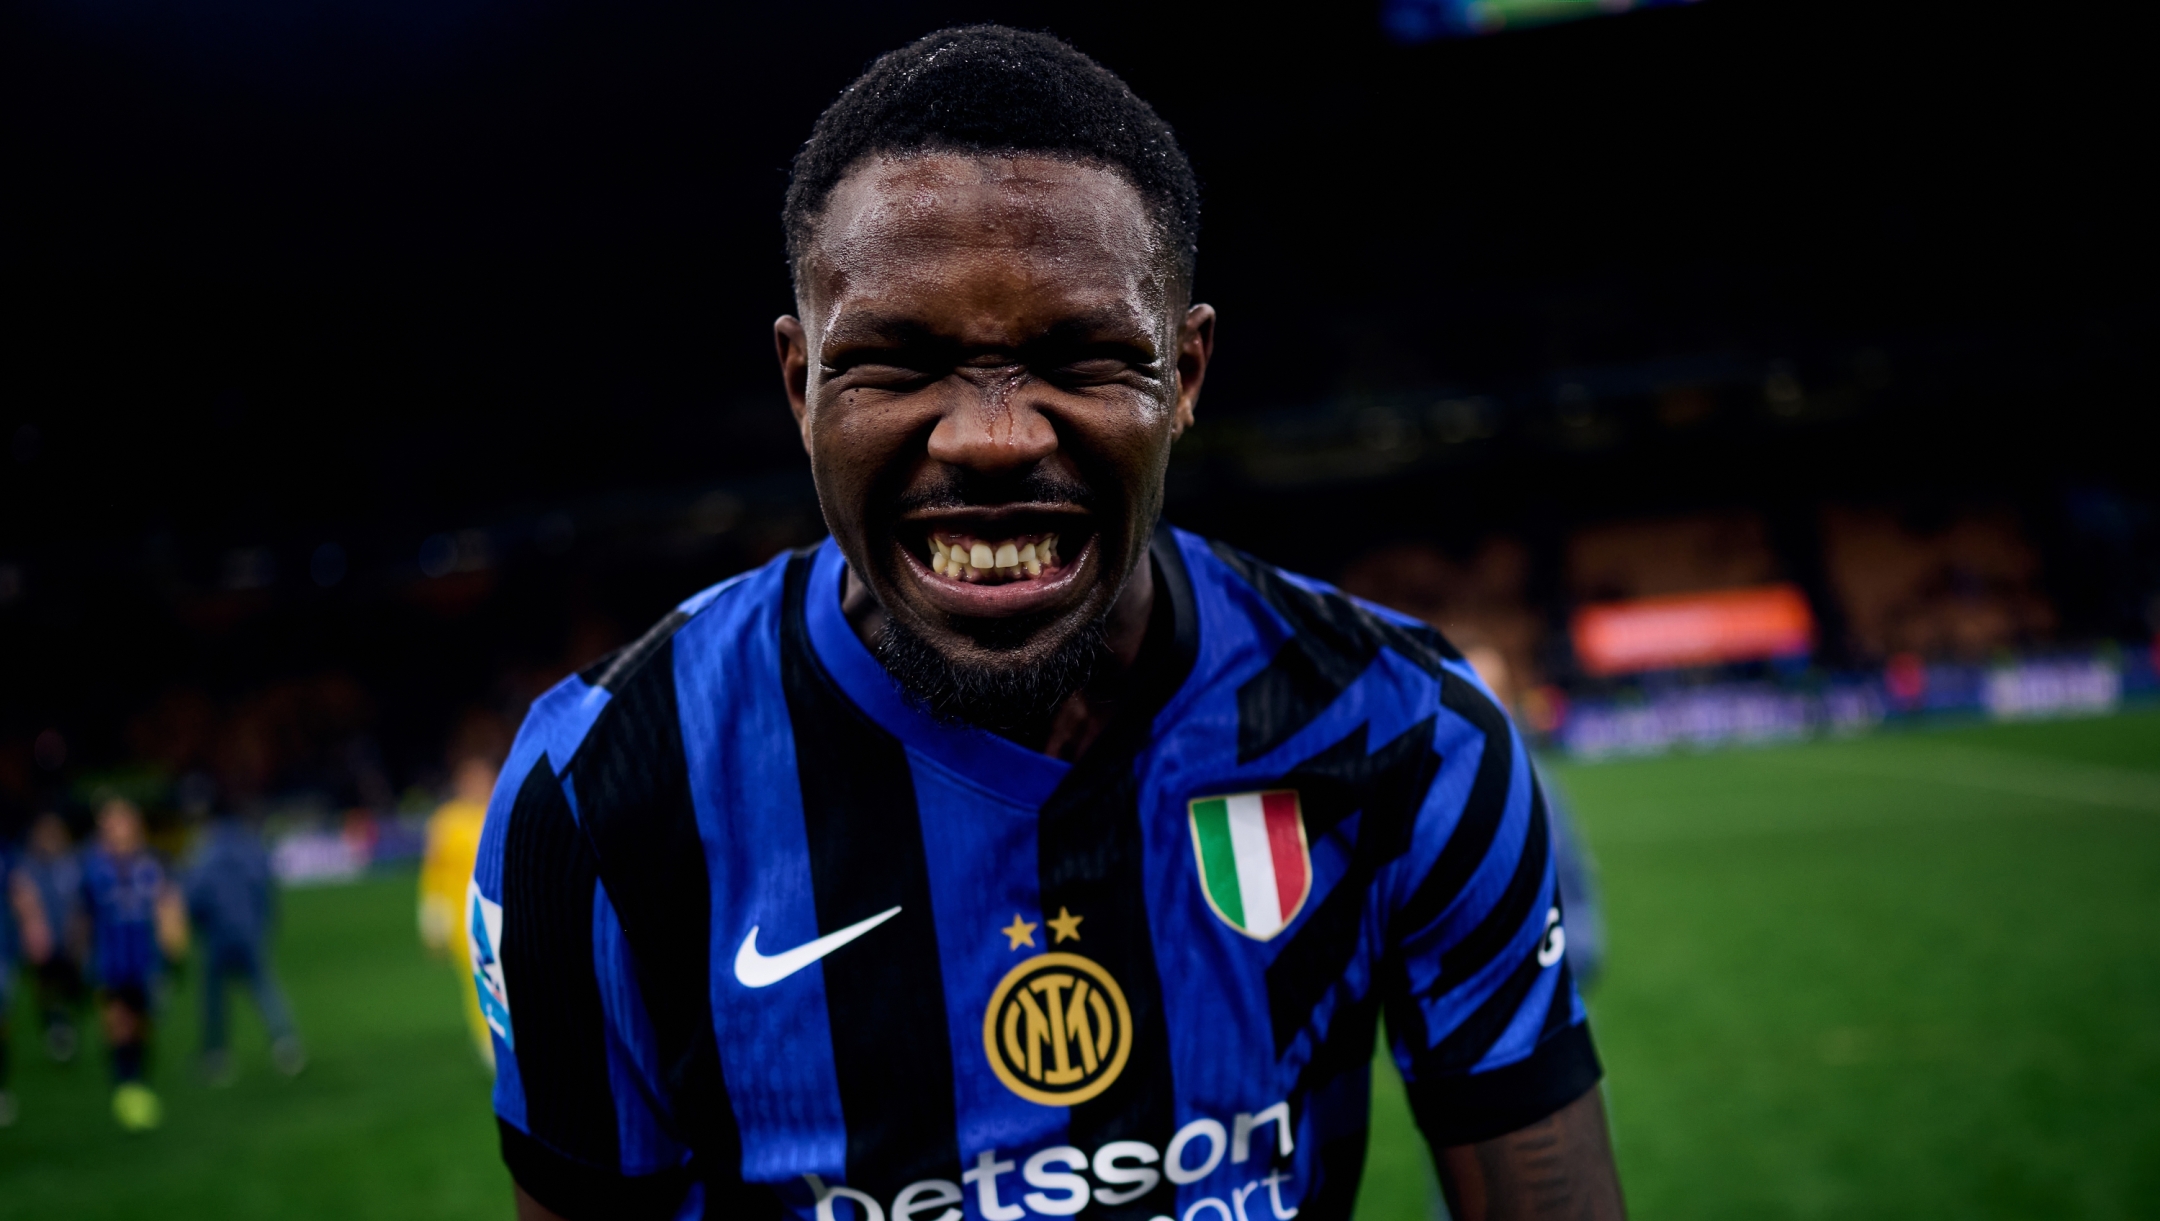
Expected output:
{"points": [[120, 828], [49, 835], [993, 357]]}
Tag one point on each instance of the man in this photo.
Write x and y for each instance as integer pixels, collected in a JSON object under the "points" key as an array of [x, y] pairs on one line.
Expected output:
{"points": [[232, 901], [446, 868], [1008, 855], [45, 890], [136, 921]]}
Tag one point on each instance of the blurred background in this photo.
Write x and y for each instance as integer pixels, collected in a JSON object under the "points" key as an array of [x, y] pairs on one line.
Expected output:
{"points": [[1765, 389]]}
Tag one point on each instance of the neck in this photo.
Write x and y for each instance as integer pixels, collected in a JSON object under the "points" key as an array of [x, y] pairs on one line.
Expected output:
{"points": [[1086, 713]]}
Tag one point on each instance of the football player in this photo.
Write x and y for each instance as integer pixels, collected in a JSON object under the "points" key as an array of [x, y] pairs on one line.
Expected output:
{"points": [[138, 922], [1011, 853]]}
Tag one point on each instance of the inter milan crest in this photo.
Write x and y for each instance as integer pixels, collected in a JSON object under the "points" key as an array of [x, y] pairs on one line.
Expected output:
{"points": [[1255, 866], [1057, 1030]]}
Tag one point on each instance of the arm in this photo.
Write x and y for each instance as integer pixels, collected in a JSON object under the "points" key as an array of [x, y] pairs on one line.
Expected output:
{"points": [[576, 1143], [438, 912], [37, 936], [1557, 1169], [172, 929], [263, 875], [529, 1209], [1492, 1038]]}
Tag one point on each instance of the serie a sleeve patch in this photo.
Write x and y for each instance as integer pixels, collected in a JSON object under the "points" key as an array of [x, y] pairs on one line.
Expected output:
{"points": [[483, 939]]}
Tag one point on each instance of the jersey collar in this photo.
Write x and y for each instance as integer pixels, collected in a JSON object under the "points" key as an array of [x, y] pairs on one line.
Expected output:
{"points": [[984, 759]]}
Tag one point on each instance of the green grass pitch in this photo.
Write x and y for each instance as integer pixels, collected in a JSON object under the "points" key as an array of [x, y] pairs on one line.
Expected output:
{"points": [[1912, 975]]}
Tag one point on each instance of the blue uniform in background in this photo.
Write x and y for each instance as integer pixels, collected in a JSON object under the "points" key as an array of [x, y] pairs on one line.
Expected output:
{"points": [[121, 896], [10, 951], [231, 900], [58, 883], [10, 938], [758, 937]]}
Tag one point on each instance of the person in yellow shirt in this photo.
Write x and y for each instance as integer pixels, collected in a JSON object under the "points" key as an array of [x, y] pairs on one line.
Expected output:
{"points": [[453, 842]]}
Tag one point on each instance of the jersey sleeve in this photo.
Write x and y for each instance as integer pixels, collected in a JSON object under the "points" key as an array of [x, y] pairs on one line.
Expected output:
{"points": [[1482, 1010], [581, 1130]]}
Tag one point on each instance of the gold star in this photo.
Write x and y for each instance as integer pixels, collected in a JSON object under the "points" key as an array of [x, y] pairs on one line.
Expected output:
{"points": [[1019, 932], [1066, 926]]}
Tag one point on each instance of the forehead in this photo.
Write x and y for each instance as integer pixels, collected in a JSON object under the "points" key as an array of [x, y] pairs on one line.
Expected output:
{"points": [[967, 241]]}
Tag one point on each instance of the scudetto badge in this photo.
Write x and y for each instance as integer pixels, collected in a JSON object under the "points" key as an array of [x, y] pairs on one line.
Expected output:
{"points": [[1255, 863], [1057, 1030]]}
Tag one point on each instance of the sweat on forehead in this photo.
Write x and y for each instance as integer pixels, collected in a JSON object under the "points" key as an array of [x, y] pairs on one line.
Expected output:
{"points": [[939, 215]]}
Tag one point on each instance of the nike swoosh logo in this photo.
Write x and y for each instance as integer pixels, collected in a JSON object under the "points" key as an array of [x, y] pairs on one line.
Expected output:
{"points": [[755, 970]]}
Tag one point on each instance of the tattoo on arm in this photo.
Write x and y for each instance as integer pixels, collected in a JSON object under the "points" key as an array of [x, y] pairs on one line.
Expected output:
{"points": [[1558, 1169]]}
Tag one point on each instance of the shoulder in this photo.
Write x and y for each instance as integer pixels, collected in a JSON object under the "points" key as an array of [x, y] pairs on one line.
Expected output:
{"points": [[1326, 616], [722, 616], [625, 702], [1296, 648]]}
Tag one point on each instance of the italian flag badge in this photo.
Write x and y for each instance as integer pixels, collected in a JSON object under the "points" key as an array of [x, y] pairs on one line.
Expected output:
{"points": [[1254, 865]]}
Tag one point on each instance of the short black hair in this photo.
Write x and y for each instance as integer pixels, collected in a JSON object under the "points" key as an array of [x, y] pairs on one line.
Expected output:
{"points": [[995, 89]]}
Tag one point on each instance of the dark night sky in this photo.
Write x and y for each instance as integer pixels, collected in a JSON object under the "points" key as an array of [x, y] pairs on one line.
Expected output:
{"points": [[373, 271]]}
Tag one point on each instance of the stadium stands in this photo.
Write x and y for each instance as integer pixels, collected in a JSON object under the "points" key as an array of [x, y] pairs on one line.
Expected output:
{"points": [[1967, 588], [1678, 555]]}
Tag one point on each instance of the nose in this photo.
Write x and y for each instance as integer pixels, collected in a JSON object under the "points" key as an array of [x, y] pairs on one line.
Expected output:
{"points": [[993, 421]]}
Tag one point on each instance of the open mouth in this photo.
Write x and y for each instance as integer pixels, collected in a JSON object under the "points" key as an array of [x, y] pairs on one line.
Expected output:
{"points": [[998, 561], [978, 561]]}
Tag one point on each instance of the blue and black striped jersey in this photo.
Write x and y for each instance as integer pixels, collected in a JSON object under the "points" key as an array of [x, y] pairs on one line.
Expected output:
{"points": [[760, 937], [121, 895]]}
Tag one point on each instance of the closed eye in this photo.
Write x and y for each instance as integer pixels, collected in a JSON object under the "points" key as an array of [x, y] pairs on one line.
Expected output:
{"points": [[1099, 363], [877, 373], [1084, 372], [886, 367]]}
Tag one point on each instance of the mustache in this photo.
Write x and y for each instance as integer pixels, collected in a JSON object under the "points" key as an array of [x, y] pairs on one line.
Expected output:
{"points": [[961, 488]]}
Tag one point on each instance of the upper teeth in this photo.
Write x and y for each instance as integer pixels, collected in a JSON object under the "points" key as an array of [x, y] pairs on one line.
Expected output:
{"points": [[973, 559]]}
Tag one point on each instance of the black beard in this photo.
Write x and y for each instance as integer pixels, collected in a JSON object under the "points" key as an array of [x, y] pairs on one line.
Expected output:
{"points": [[1016, 703]]}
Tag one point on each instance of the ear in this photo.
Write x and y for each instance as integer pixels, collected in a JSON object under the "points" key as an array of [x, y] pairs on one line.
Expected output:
{"points": [[1196, 346], [793, 345]]}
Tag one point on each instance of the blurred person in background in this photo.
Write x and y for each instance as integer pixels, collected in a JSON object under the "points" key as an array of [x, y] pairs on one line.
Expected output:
{"points": [[1585, 927], [137, 923], [45, 891], [453, 844], [232, 902]]}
